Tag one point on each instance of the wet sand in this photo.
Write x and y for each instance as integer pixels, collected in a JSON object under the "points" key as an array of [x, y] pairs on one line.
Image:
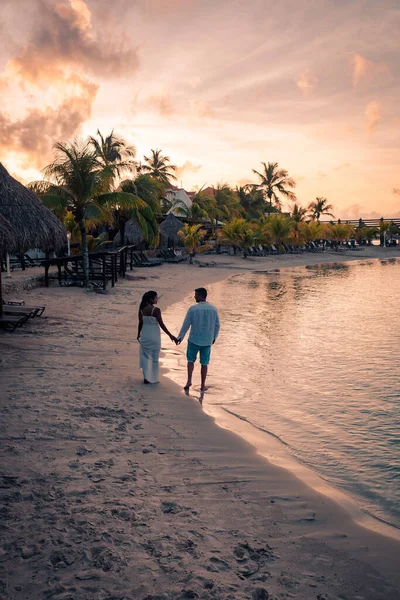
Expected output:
{"points": [[115, 490]]}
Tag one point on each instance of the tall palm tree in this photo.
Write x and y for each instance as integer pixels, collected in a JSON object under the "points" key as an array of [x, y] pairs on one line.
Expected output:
{"points": [[227, 202], [75, 183], [191, 236], [114, 154], [142, 208], [159, 167], [251, 200], [274, 182], [320, 207]]}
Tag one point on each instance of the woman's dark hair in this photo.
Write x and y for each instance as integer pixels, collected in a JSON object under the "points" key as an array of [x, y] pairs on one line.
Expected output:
{"points": [[148, 298]]}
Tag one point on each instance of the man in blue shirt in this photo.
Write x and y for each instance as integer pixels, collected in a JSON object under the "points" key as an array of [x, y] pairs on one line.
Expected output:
{"points": [[202, 318]]}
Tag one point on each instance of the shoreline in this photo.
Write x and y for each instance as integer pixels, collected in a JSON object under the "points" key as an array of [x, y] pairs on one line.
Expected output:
{"points": [[274, 450], [136, 493]]}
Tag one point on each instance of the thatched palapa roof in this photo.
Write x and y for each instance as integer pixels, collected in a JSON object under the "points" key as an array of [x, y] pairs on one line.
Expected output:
{"points": [[34, 225], [169, 230], [133, 235], [7, 236]]}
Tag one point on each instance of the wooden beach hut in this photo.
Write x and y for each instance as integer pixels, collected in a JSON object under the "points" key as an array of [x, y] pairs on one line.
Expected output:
{"points": [[29, 224], [169, 228]]}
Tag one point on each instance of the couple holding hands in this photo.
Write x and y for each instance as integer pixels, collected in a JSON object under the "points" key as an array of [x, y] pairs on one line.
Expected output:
{"points": [[201, 318]]}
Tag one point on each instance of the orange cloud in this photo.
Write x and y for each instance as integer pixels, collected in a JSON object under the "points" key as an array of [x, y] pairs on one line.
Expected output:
{"points": [[34, 134], [373, 114], [307, 82], [52, 75], [367, 71], [201, 109], [162, 103], [187, 167]]}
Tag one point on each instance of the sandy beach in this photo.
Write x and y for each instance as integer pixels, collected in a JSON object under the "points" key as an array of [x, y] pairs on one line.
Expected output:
{"points": [[113, 490]]}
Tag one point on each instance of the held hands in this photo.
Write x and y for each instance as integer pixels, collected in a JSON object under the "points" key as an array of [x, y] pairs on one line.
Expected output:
{"points": [[175, 339]]}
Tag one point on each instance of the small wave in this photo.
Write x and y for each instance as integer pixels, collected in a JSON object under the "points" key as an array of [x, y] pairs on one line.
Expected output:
{"points": [[256, 426]]}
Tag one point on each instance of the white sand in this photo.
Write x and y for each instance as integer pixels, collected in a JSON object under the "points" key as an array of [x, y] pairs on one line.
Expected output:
{"points": [[115, 490]]}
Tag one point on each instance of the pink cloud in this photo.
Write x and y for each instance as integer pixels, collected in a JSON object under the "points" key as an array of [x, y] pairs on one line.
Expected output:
{"points": [[373, 114], [307, 82], [367, 72]]}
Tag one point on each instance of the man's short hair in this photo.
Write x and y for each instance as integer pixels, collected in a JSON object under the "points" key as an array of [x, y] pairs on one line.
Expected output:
{"points": [[201, 292]]}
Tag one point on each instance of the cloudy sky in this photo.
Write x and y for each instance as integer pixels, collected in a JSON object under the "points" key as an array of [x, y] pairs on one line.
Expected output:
{"points": [[218, 85]]}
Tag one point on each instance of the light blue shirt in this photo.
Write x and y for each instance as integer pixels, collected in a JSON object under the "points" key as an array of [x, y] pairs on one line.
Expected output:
{"points": [[202, 318]]}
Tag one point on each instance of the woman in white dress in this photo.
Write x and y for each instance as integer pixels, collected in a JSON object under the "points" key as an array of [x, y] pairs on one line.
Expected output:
{"points": [[149, 337]]}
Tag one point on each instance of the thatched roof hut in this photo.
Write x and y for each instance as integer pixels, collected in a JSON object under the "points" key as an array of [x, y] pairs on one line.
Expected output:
{"points": [[133, 235], [169, 231], [34, 225], [7, 237]]}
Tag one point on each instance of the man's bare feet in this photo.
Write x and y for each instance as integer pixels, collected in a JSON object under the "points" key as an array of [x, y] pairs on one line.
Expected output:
{"points": [[186, 389]]}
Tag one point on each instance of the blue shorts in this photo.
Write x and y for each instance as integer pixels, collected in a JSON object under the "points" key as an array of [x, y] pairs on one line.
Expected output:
{"points": [[193, 350]]}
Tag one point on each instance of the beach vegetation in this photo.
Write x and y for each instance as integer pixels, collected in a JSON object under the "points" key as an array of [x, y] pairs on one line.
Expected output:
{"points": [[275, 183], [191, 237], [115, 155], [251, 200], [231, 233], [158, 166], [320, 207], [310, 231], [280, 228], [298, 213], [75, 182]]}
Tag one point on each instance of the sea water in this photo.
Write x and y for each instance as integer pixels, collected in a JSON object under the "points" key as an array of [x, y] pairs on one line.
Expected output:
{"points": [[312, 356]]}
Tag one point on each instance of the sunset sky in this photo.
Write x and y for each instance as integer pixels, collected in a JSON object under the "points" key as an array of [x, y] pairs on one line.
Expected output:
{"points": [[218, 85]]}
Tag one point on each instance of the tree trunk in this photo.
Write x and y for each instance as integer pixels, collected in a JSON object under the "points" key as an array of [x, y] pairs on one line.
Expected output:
{"points": [[85, 254], [122, 224], [244, 253], [191, 254]]}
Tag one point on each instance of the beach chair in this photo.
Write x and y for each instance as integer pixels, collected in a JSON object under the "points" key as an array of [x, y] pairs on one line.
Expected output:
{"points": [[20, 308], [151, 262], [10, 322]]}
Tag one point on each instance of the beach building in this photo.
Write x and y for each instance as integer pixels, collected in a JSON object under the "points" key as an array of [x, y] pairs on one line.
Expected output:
{"points": [[178, 194]]}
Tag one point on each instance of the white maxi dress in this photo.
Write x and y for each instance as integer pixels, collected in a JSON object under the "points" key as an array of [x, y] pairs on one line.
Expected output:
{"points": [[150, 346]]}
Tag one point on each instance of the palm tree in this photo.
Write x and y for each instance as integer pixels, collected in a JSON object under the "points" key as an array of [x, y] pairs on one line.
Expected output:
{"points": [[191, 236], [274, 182], [247, 238], [230, 233], [227, 202], [114, 154], [76, 181], [203, 208], [251, 200], [298, 213], [141, 208], [340, 232], [311, 231], [320, 207], [280, 228], [159, 167], [370, 233]]}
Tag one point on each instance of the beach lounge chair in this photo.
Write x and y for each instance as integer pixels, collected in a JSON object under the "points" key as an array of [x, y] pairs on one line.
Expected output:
{"points": [[20, 308], [10, 322]]}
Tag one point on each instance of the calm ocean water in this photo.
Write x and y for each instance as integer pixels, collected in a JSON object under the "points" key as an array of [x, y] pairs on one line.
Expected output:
{"points": [[311, 355]]}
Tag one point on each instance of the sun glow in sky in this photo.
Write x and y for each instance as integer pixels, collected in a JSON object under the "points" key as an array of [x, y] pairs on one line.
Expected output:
{"points": [[218, 85]]}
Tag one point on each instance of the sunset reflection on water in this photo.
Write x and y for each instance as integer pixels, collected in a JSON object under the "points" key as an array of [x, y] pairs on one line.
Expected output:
{"points": [[311, 355]]}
